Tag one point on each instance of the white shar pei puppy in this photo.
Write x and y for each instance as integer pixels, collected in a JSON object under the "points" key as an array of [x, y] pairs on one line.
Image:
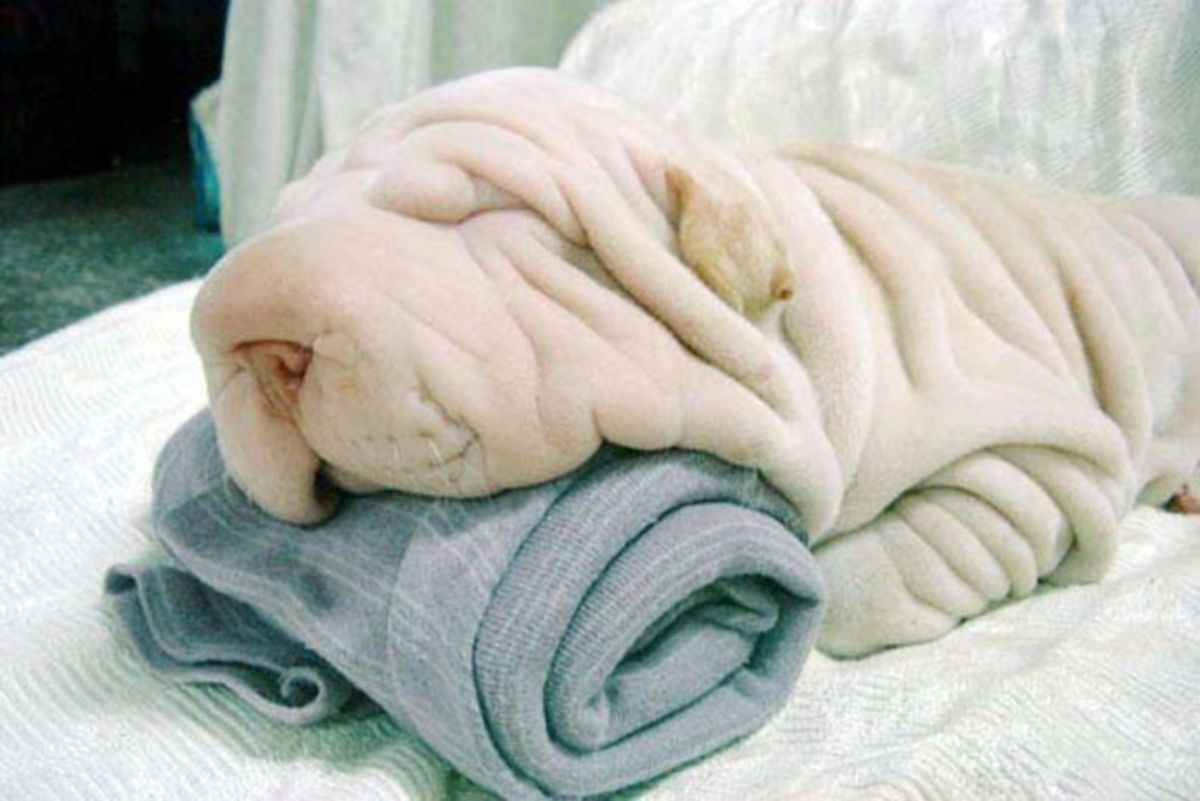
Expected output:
{"points": [[963, 382]]}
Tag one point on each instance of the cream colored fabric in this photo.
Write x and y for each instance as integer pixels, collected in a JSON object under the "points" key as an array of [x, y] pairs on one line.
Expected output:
{"points": [[973, 382]]}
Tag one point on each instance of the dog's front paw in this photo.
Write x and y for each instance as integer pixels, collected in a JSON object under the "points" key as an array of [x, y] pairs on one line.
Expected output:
{"points": [[1184, 502]]}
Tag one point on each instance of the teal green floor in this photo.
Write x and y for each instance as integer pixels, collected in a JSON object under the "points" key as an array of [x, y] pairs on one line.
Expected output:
{"points": [[71, 247]]}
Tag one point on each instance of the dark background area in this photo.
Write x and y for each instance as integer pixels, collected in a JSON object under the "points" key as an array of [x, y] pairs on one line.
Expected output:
{"points": [[96, 192], [85, 83]]}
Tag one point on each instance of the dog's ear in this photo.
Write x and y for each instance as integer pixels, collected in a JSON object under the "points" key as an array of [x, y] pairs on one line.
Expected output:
{"points": [[279, 369], [250, 324], [726, 234], [263, 448]]}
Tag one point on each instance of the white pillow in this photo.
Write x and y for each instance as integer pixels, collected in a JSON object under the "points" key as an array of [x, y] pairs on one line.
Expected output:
{"points": [[1096, 94]]}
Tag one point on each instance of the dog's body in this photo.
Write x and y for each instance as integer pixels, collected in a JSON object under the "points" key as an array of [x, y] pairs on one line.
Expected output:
{"points": [[962, 382]]}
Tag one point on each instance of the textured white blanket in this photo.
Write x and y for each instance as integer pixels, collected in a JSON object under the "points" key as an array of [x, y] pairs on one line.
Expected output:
{"points": [[963, 382], [1079, 692]]}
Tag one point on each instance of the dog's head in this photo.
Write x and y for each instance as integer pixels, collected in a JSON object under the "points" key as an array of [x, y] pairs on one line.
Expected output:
{"points": [[362, 343], [328, 366]]}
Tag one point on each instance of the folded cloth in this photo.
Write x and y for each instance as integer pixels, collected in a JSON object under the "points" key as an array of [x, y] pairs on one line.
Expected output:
{"points": [[963, 382], [569, 638]]}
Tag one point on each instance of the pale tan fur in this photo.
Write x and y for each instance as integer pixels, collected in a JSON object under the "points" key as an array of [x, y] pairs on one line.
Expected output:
{"points": [[727, 237]]}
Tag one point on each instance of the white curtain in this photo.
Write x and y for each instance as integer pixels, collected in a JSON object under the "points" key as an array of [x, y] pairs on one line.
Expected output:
{"points": [[298, 76], [1097, 94]]}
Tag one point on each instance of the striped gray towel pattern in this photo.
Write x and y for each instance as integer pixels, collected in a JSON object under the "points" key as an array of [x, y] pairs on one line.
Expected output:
{"points": [[566, 639]]}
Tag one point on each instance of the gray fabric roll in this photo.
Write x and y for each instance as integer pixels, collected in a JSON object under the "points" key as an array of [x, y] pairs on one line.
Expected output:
{"points": [[567, 639]]}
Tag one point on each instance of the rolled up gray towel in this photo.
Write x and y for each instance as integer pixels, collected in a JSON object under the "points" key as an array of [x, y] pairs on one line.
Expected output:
{"points": [[570, 638]]}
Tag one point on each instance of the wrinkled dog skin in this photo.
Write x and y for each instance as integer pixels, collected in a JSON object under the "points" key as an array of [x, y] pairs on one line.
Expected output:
{"points": [[325, 371], [310, 391], [962, 382]]}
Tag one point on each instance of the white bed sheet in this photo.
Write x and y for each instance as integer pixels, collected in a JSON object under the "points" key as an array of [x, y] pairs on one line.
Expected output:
{"points": [[1084, 692]]}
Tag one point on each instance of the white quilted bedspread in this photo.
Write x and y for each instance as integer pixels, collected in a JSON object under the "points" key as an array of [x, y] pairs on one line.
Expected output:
{"points": [[1085, 692]]}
